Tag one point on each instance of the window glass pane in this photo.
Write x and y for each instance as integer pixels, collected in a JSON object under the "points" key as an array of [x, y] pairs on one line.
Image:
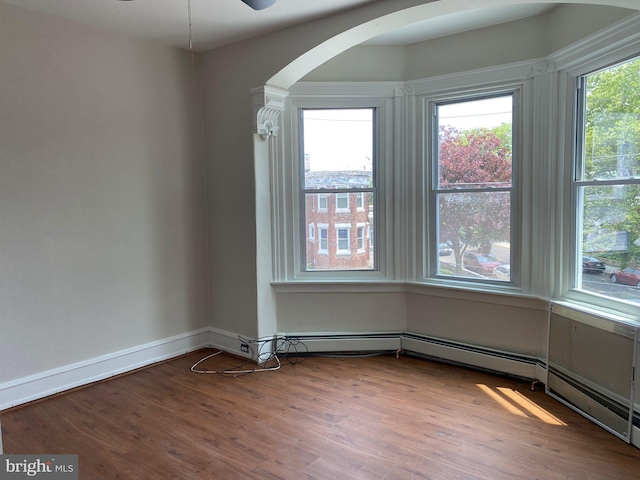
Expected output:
{"points": [[338, 148], [608, 189], [324, 237], [611, 241], [336, 248], [342, 201], [360, 238], [338, 155], [475, 143], [343, 239], [474, 235], [612, 123]]}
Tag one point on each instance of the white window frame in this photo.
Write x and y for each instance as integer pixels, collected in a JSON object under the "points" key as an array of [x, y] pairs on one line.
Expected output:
{"points": [[312, 232], [291, 253], [323, 227], [342, 196], [361, 239], [511, 80], [435, 191], [589, 59], [323, 198], [339, 227]]}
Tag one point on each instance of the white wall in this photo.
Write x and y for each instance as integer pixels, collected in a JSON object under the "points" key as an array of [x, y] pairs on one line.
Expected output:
{"points": [[102, 239]]}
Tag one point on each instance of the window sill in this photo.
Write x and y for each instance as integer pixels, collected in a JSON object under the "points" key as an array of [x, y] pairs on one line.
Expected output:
{"points": [[504, 297], [338, 286], [605, 307]]}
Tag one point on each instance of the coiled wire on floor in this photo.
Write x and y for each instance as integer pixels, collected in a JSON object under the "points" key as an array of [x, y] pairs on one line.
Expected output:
{"points": [[266, 354]]}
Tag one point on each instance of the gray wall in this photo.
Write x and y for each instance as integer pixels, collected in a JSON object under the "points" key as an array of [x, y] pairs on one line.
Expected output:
{"points": [[102, 239], [526, 39]]}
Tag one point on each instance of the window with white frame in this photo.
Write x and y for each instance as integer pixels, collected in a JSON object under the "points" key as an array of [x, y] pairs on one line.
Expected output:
{"points": [[337, 152], [343, 239], [322, 202], [607, 183], [360, 237], [472, 187], [323, 234], [342, 202]]}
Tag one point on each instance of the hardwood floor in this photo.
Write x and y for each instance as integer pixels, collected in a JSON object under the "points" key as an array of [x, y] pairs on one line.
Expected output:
{"points": [[324, 418]]}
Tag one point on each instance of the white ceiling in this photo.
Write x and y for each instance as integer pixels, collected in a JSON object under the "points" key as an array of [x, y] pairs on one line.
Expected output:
{"points": [[218, 22]]}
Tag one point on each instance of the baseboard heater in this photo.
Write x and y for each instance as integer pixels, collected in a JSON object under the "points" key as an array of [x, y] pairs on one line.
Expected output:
{"points": [[438, 349], [591, 368]]}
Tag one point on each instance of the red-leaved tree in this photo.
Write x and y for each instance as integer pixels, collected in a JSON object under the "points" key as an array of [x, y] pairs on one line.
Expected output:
{"points": [[471, 160]]}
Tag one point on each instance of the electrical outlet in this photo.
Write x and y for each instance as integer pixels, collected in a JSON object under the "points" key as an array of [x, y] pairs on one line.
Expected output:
{"points": [[244, 348]]}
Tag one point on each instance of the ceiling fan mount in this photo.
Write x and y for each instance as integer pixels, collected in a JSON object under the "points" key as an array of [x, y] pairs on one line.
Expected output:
{"points": [[259, 4]]}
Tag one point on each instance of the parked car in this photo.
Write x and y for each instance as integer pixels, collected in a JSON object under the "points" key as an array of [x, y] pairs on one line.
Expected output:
{"points": [[592, 265], [444, 249], [628, 276], [502, 272], [480, 263]]}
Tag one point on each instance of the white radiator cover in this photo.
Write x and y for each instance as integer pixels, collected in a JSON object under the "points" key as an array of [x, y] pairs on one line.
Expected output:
{"points": [[591, 362]]}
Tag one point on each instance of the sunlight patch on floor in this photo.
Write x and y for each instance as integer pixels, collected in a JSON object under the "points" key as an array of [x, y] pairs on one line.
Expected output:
{"points": [[516, 403]]}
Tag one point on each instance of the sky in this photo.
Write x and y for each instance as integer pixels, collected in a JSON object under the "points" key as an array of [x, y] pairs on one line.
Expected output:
{"points": [[342, 139], [339, 139]]}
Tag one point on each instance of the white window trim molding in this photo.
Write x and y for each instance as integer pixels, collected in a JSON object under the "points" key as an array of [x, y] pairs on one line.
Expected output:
{"points": [[519, 78], [379, 95]]}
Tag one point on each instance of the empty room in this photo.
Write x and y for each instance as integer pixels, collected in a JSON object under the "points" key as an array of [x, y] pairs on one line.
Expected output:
{"points": [[372, 239]]}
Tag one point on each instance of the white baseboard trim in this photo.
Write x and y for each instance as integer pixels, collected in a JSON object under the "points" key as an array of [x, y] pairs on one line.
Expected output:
{"points": [[26, 389], [227, 341]]}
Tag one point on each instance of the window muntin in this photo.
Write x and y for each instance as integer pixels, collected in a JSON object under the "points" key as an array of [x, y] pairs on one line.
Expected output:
{"points": [[607, 182], [472, 188], [338, 175]]}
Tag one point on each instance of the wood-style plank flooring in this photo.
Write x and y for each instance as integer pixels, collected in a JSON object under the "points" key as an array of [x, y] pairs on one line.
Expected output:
{"points": [[324, 418]]}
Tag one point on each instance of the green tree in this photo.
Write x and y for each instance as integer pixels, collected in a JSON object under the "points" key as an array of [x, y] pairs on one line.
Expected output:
{"points": [[476, 158], [612, 151]]}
